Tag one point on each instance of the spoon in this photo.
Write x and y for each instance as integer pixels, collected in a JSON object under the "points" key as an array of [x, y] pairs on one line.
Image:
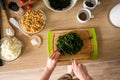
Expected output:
{"points": [[35, 40], [9, 30]]}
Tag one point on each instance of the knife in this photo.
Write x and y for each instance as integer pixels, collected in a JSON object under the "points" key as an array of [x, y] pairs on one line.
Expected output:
{"points": [[2, 4], [1, 64]]}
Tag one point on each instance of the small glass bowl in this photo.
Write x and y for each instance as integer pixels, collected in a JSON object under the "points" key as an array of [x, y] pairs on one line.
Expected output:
{"points": [[37, 31]]}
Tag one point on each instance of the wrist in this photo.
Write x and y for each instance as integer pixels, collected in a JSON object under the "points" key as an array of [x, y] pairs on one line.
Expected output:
{"points": [[85, 78], [89, 78], [49, 69], [46, 74]]}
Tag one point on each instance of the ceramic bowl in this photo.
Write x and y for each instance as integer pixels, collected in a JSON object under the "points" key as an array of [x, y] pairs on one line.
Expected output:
{"points": [[47, 3]]}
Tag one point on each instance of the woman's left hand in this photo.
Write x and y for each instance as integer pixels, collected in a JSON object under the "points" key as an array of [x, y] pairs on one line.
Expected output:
{"points": [[52, 60]]}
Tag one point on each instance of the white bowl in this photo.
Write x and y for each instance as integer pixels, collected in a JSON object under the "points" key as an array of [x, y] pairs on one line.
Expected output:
{"points": [[73, 2]]}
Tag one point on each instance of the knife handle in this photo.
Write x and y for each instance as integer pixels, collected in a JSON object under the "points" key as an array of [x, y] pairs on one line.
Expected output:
{"points": [[1, 63], [2, 5]]}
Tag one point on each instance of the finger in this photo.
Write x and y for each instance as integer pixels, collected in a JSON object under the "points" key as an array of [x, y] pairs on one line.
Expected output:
{"points": [[57, 52], [53, 55], [57, 56], [80, 65], [74, 64], [85, 69]]}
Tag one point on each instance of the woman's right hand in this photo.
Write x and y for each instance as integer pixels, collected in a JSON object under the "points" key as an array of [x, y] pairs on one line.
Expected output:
{"points": [[80, 71]]}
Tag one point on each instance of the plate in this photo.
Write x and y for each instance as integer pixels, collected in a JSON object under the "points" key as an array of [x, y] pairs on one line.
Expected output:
{"points": [[114, 15]]}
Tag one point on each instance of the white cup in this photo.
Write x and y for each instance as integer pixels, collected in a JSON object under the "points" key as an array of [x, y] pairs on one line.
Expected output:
{"points": [[90, 4], [84, 15]]}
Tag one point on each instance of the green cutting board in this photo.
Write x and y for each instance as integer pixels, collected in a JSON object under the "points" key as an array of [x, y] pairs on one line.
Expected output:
{"points": [[94, 39]]}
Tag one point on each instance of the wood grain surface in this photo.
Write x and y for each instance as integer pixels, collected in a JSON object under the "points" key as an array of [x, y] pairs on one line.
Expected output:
{"points": [[35, 58]]}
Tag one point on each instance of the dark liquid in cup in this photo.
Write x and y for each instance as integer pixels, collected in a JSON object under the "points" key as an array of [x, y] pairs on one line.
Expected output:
{"points": [[89, 4], [83, 16]]}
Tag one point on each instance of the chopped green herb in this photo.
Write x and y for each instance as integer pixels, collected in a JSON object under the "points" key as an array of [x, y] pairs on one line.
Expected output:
{"points": [[69, 44], [59, 4]]}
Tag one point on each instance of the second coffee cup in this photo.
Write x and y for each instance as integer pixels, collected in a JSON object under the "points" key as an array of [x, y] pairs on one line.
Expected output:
{"points": [[84, 15], [90, 4]]}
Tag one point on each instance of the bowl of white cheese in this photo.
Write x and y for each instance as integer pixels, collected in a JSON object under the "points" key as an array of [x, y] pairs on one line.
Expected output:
{"points": [[10, 48]]}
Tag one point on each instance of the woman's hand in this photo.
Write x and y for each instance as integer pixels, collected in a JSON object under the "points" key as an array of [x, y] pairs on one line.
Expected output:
{"points": [[51, 63], [52, 60], [80, 71]]}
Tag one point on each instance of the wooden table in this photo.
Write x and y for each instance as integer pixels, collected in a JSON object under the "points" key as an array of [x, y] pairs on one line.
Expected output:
{"points": [[108, 35]]}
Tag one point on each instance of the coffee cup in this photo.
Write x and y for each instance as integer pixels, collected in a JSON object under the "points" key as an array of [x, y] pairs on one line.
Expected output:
{"points": [[90, 4], [84, 15]]}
